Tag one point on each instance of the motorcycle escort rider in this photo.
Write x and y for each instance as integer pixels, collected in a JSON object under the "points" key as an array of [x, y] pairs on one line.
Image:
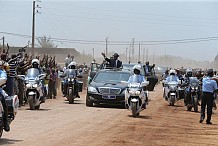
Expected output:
{"points": [[171, 77], [36, 64], [209, 87], [72, 65], [139, 78], [3, 94], [187, 98]]}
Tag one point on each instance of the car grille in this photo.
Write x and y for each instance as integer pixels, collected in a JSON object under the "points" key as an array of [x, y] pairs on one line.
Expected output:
{"points": [[106, 90]]}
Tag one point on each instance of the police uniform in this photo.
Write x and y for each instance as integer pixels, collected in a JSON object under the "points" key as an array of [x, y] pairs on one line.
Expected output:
{"points": [[208, 88]]}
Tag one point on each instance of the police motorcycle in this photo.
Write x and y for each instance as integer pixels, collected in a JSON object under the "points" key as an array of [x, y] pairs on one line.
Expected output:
{"points": [[171, 89], [135, 97], [34, 89], [192, 94], [73, 86], [12, 105]]}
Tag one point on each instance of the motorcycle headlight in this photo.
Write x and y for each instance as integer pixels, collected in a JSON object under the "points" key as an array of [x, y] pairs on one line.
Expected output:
{"points": [[137, 92], [35, 85], [92, 89], [28, 85], [130, 92]]}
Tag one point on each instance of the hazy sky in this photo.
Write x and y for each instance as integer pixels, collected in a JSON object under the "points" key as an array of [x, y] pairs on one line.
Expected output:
{"points": [[183, 28]]}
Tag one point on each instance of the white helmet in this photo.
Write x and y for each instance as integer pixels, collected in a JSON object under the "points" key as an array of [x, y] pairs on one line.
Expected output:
{"points": [[35, 61], [137, 66], [172, 72], [72, 64]]}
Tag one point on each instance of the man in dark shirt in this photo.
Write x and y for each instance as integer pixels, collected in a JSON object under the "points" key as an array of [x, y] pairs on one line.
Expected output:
{"points": [[114, 63]]}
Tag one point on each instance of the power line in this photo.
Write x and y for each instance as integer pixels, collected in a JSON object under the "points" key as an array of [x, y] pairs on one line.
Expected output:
{"points": [[154, 42]]}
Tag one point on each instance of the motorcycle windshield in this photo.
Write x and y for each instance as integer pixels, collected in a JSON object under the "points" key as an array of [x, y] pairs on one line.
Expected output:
{"points": [[32, 73], [71, 73], [172, 78], [193, 81], [135, 79]]}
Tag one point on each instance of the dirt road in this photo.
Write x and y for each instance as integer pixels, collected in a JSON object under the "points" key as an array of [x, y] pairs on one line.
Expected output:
{"points": [[58, 123]]}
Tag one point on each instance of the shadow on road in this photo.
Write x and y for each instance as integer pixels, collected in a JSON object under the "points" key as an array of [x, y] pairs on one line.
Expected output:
{"points": [[109, 106], [141, 117], [4, 141], [38, 109], [75, 102]]}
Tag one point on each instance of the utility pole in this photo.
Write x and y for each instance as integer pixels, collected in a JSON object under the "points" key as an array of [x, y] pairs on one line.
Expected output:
{"points": [[33, 25], [126, 55], [129, 53], [106, 45], [147, 55], [3, 42], [83, 56], [93, 52], [133, 51], [139, 52], [143, 56]]}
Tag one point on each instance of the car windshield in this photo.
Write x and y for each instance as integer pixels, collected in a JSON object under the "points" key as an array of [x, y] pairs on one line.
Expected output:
{"points": [[32, 73], [112, 77]]}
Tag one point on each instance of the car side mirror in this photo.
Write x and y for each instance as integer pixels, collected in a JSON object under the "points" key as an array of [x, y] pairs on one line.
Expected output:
{"points": [[124, 83]]}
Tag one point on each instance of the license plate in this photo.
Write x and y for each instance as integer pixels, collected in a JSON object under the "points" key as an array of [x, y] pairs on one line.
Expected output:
{"points": [[109, 96]]}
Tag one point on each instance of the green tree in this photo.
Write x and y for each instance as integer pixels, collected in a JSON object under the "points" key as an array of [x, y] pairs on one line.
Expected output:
{"points": [[46, 42]]}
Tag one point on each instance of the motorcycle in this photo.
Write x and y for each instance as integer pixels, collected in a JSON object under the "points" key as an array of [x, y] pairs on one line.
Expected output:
{"points": [[171, 90], [34, 88], [192, 94], [135, 97], [12, 105], [73, 86]]}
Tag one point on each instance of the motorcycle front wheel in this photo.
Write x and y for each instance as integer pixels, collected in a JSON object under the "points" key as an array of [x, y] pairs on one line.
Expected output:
{"points": [[71, 98], [134, 109]]}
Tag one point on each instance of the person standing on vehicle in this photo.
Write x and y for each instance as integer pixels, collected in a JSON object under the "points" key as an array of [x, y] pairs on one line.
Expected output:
{"points": [[3, 94], [148, 68], [114, 63], [209, 87], [137, 77]]}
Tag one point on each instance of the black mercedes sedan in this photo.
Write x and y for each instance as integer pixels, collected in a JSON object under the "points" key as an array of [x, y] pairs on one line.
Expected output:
{"points": [[106, 87]]}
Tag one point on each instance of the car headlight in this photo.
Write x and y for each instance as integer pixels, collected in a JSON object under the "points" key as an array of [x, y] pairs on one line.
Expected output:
{"points": [[124, 92], [35, 85], [92, 89], [68, 79], [28, 85]]}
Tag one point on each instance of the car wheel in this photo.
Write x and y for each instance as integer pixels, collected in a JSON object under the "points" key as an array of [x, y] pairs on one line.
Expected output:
{"points": [[88, 101]]}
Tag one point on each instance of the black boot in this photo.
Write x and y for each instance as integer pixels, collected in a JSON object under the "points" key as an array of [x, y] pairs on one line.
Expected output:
{"points": [[77, 95], [6, 126]]}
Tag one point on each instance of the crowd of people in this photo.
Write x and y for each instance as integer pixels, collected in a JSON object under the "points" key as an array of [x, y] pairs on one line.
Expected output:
{"points": [[17, 64], [206, 94]]}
